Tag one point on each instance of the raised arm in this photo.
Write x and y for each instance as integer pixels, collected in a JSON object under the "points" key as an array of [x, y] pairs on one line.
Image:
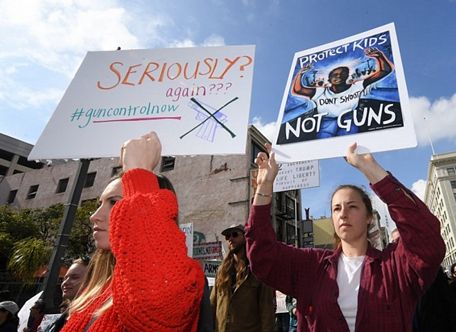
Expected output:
{"points": [[288, 269], [384, 66], [298, 89], [155, 285], [421, 247], [366, 164]]}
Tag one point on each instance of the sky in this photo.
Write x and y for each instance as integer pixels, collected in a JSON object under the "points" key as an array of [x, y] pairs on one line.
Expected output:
{"points": [[43, 43]]}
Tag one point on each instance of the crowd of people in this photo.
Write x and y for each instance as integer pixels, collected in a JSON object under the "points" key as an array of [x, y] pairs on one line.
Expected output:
{"points": [[141, 279]]}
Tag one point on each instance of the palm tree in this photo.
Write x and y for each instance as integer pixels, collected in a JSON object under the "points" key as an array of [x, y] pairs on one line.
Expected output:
{"points": [[28, 256]]}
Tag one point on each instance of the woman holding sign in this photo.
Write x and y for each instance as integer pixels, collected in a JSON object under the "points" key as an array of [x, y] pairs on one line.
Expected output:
{"points": [[354, 287], [140, 278]]}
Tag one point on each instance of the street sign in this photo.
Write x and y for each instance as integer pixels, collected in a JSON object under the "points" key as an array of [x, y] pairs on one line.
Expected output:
{"points": [[208, 250]]}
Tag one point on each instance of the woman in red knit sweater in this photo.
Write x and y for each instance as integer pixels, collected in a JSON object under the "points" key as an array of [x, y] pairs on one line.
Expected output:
{"points": [[141, 278]]}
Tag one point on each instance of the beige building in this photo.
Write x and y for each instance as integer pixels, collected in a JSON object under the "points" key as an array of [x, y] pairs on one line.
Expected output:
{"points": [[323, 232], [440, 197], [213, 191]]}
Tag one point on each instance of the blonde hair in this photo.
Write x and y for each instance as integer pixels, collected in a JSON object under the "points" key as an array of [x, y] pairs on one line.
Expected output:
{"points": [[98, 277]]}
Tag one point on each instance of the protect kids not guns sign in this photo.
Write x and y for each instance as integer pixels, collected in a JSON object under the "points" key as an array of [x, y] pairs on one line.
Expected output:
{"points": [[196, 99], [351, 90]]}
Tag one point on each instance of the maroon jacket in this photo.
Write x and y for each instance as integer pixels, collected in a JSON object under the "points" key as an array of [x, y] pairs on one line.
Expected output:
{"points": [[392, 280]]}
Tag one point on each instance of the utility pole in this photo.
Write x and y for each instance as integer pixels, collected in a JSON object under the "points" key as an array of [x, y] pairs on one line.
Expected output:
{"points": [[50, 283]]}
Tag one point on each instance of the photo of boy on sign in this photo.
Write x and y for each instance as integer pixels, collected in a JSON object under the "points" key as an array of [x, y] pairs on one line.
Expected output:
{"points": [[341, 91]]}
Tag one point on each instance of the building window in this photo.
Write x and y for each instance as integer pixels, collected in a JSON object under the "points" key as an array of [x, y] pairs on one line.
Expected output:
{"points": [[279, 201], [453, 184], [116, 170], [12, 196], [6, 155], [62, 185], [290, 234], [451, 171], [290, 207], [90, 179], [32, 191], [3, 170], [167, 164], [454, 194]]}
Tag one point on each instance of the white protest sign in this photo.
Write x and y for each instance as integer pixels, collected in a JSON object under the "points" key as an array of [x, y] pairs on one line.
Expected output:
{"points": [[188, 231], [24, 312], [351, 90], [298, 175], [196, 99]]}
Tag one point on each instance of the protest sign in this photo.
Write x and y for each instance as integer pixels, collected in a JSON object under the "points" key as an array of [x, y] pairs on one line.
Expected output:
{"points": [[291, 176], [24, 312], [351, 90], [208, 250], [196, 99], [298, 175], [188, 231]]}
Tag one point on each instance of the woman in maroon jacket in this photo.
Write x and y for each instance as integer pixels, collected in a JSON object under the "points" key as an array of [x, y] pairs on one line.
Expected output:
{"points": [[355, 287]]}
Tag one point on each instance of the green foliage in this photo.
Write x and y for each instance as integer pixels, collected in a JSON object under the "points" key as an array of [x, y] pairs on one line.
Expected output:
{"points": [[46, 221], [16, 223], [81, 240], [34, 233], [6, 248], [28, 256]]}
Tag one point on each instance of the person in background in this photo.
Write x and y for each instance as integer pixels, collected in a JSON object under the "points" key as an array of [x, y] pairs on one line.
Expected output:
{"points": [[240, 302], [73, 279], [395, 235], [36, 316], [72, 282], [282, 316], [8, 316], [453, 272], [436, 310], [140, 277], [354, 287], [453, 280], [291, 307]]}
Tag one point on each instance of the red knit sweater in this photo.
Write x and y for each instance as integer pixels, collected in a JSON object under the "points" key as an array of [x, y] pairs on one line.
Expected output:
{"points": [[155, 286]]}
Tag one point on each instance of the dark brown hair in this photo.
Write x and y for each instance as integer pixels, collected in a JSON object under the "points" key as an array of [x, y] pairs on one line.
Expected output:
{"points": [[365, 199]]}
